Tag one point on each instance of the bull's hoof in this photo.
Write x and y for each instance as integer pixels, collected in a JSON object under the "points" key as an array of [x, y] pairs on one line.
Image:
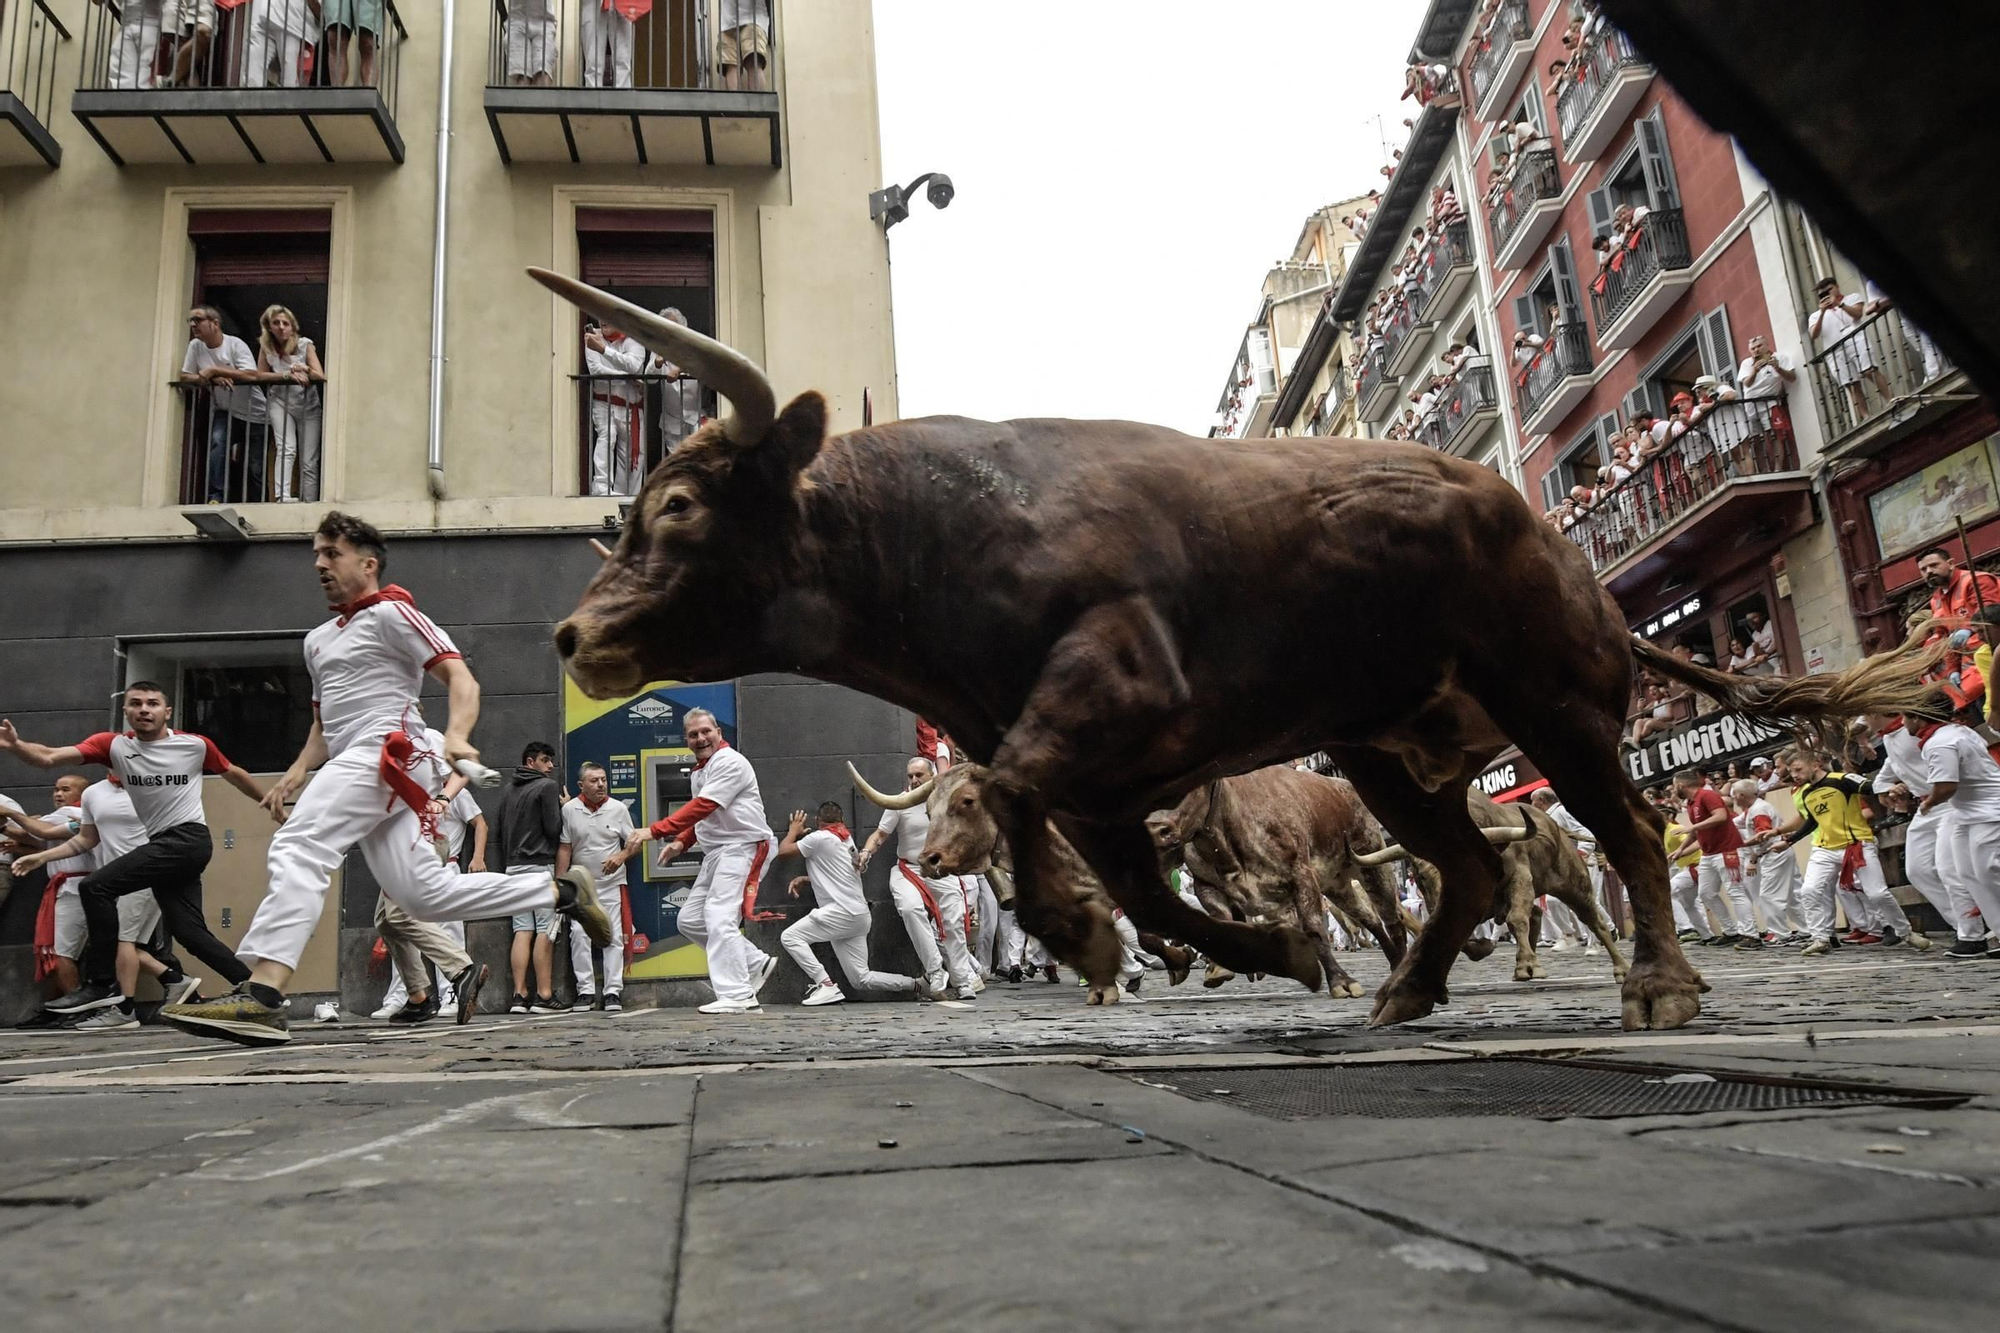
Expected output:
{"points": [[1345, 987], [1301, 958], [1478, 949], [1215, 976], [1663, 994], [1103, 995], [1177, 972], [1401, 1002], [1530, 971], [1620, 969]]}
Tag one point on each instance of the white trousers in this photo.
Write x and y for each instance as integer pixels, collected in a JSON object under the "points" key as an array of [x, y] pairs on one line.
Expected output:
{"points": [[138, 42], [955, 933], [582, 954], [1130, 962], [296, 435], [346, 805], [909, 890], [1687, 904], [1975, 849], [987, 933], [847, 932], [1926, 349], [268, 38], [1012, 950], [1726, 893], [1927, 857], [531, 38], [712, 916], [1823, 876], [611, 470], [605, 32], [1777, 890]]}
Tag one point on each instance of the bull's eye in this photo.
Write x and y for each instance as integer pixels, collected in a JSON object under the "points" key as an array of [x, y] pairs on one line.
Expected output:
{"points": [[676, 504]]}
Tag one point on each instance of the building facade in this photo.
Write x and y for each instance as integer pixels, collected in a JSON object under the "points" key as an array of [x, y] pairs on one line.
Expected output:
{"points": [[390, 197]]}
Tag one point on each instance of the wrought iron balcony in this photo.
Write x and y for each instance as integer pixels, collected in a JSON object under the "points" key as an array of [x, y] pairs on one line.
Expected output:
{"points": [[626, 424], [1503, 56], [1598, 90], [1870, 387], [1526, 208], [1372, 381], [1640, 283], [1467, 407], [30, 38], [1556, 378]]}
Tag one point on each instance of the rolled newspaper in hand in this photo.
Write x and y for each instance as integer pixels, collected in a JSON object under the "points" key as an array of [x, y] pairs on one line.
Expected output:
{"points": [[478, 774]]}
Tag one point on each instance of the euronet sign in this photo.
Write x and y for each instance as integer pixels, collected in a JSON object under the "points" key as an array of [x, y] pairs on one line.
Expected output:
{"points": [[1703, 742]]}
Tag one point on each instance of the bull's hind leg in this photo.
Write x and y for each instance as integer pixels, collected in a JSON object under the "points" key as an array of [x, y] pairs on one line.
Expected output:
{"points": [[1574, 893], [1435, 826], [1308, 903]]}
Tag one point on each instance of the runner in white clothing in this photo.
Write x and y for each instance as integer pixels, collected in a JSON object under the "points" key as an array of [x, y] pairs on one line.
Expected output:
{"points": [[375, 788], [57, 957], [727, 815], [1965, 780], [933, 910], [597, 836], [1929, 860], [840, 917]]}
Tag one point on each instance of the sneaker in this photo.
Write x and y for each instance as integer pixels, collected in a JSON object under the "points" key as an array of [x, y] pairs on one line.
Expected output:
{"points": [[1751, 944], [827, 994], [1014, 975], [1917, 940], [238, 1016], [1688, 936], [107, 1020], [467, 985], [1966, 951], [1561, 943], [84, 998], [1771, 937], [1050, 973], [978, 985], [385, 1011], [518, 1005], [731, 1007], [611, 1004], [576, 898], [412, 1013], [545, 1004], [181, 989], [1862, 937], [583, 1004], [1816, 948], [1718, 941], [1132, 986], [937, 983], [763, 974]]}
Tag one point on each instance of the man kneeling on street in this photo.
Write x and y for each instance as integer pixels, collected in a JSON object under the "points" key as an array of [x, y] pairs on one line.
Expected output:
{"points": [[841, 916]]}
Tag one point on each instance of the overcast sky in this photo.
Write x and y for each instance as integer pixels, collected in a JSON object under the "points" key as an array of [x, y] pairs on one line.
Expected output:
{"points": [[1126, 172]]}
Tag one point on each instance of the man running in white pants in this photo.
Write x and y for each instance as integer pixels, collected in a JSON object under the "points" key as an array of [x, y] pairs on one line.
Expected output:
{"points": [[423, 949], [1966, 782], [933, 910], [1775, 873], [1831, 812], [375, 789], [1928, 862], [840, 917], [597, 836], [1719, 874], [65, 872], [458, 817], [726, 818]]}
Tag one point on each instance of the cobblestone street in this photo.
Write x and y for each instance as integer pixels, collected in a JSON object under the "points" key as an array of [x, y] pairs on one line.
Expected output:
{"points": [[1026, 1162]]}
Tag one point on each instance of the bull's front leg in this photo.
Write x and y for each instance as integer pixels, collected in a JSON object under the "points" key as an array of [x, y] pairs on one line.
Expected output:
{"points": [[1076, 928]]}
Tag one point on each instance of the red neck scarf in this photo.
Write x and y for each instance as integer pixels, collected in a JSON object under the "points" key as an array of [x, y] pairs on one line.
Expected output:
{"points": [[395, 592], [593, 806], [1926, 731], [838, 830], [720, 746]]}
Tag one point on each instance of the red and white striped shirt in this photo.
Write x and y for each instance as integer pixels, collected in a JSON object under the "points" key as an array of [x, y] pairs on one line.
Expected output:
{"points": [[368, 667]]}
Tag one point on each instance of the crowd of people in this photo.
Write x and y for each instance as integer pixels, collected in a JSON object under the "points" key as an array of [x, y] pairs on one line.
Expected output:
{"points": [[1401, 302], [1660, 704], [245, 43], [253, 418], [607, 33], [1437, 391]]}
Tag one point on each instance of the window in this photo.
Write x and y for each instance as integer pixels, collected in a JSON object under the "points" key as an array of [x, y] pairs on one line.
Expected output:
{"points": [[1553, 298], [1578, 464], [252, 697], [1704, 349], [630, 412], [1642, 178], [247, 261], [1749, 623]]}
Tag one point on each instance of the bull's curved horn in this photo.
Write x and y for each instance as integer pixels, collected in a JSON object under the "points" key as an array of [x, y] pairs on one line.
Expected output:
{"points": [[723, 369], [908, 800], [1393, 852], [1502, 836], [1003, 884], [603, 551]]}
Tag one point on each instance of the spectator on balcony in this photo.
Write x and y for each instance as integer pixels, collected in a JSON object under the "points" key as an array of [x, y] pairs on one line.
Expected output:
{"points": [[131, 65], [290, 365], [680, 408], [606, 27], [1663, 711], [347, 20], [617, 405], [1745, 660], [743, 49], [1527, 346], [1764, 373], [1764, 637], [220, 366], [1833, 326], [1525, 136], [280, 33], [187, 30], [1878, 301], [531, 43]]}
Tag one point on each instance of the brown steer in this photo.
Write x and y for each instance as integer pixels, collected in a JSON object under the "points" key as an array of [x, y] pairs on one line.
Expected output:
{"points": [[1112, 614]]}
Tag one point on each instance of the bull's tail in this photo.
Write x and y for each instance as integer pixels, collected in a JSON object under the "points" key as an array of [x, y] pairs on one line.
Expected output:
{"points": [[1817, 708]]}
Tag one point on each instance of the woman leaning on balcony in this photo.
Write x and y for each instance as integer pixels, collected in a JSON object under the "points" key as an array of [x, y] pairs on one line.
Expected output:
{"points": [[288, 361]]}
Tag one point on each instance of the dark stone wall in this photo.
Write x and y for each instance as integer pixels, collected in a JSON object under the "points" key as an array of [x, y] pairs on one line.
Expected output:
{"points": [[497, 596]]}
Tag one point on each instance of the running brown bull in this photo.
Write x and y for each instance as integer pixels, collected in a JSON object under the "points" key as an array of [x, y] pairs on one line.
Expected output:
{"points": [[1112, 614]]}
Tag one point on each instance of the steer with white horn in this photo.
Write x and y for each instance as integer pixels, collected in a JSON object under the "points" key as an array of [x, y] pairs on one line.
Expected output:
{"points": [[1109, 614], [1536, 856]]}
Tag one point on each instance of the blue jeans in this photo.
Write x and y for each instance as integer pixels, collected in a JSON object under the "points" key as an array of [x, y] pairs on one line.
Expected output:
{"points": [[244, 439]]}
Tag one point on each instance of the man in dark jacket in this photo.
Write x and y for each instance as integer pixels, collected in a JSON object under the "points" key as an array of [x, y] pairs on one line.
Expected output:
{"points": [[526, 832]]}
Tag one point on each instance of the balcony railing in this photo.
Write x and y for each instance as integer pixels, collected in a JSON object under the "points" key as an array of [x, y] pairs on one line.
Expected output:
{"points": [[1606, 54], [574, 81], [1860, 380], [29, 34], [1566, 352], [250, 443], [1399, 324], [242, 54], [1371, 376], [1510, 26], [1533, 178], [627, 423], [1469, 395], [1734, 442], [1327, 406], [1659, 246]]}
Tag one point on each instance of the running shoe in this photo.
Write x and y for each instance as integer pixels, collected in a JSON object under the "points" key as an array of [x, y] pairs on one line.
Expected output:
{"points": [[1967, 951], [181, 989], [466, 985], [576, 898], [107, 1020], [827, 994], [731, 1007], [1772, 937], [583, 1004], [545, 1004], [612, 1005], [1751, 944], [1688, 936], [238, 1016], [1917, 940], [1721, 941], [412, 1013], [1050, 973], [518, 1005], [83, 999], [1014, 975], [1132, 986], [1862, 937], [765, 970], [1816, 948]]}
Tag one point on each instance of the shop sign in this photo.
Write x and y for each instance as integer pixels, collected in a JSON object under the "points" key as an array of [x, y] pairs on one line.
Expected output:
{"points": [[1702, 742]]}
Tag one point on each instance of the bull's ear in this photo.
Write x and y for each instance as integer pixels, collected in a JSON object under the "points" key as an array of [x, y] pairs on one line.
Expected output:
{"points": [[797, 434]]}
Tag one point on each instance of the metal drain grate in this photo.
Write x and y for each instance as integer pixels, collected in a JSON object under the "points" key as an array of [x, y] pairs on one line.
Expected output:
{"points": [[1511, 1086]]}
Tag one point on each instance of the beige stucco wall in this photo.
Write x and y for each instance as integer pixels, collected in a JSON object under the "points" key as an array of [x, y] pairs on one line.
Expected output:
{"points": [[96, 272]]}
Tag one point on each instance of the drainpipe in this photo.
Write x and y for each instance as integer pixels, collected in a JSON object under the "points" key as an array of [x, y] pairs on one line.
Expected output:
{"points": [[436, 457]]}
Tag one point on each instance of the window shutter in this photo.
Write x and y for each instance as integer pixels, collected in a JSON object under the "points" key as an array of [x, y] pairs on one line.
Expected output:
{"points": [[1599, 202], [1607, 430], [1569, 299], [1718, 353], [674, 264], [1636, 402], [1662, 190], [1552, 491], [1527, 317]]}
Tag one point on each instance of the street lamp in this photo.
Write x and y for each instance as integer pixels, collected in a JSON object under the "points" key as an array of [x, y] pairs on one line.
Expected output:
{"points": [[891, 204]]}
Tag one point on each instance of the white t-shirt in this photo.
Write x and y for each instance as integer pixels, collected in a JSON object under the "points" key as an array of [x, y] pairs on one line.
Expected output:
{"points": [[830, 866], [162, 777], [239, 400], [1902, 761], [1830, 326], [368, 668], [736, 13], [1956, 754], [593, 835], [74, 867], [726, 779], [109, 810], [1765, 640], [457, 819], [909, 828], [300, 398], [1757, 817], [1767, 382]]}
